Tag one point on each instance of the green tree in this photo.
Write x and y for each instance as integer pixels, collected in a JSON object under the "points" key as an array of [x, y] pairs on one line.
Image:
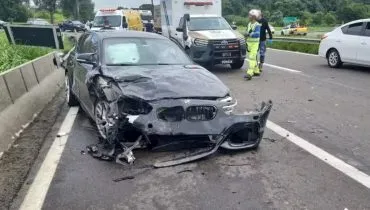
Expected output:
{"points": [[306, 18], [317, 18], [14, 10], [352, 11], [85, 9], [329, 19], [48, 5]]}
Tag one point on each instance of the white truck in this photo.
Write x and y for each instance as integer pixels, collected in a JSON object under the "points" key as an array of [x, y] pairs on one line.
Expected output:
{"points": [[198, 27]]}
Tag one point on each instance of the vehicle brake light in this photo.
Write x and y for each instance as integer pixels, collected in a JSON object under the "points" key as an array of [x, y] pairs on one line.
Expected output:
{"points": [[324, 37]]}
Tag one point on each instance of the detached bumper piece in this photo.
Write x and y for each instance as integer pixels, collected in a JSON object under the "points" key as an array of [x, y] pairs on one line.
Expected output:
{"points": [[242, 134]]}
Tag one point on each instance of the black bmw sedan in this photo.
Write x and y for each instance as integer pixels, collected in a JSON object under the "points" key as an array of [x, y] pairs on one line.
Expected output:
{"points": [[142, 90]]}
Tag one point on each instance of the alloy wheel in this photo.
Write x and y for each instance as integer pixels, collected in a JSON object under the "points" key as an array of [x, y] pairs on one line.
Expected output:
{"points": [[333, 58]]}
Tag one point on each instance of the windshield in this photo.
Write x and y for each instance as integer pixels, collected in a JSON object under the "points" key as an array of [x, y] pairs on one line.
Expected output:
{"points": [[143, 51], [146, 17], [113, 21], [208, 23]]}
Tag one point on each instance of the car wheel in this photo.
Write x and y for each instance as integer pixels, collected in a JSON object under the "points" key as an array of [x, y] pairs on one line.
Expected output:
{"points": [[237, 65], [334, 60], [104, 122], [70, 97]]}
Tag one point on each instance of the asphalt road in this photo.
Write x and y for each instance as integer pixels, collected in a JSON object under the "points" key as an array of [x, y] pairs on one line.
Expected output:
{"points": [[326, 107]]}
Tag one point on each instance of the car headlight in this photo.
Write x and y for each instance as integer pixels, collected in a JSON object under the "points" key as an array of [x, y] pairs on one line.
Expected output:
{"points": [[200, 42], [228, 104], [242, 41]]}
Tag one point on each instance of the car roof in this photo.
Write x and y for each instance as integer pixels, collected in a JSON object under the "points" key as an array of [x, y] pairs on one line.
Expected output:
{"points": [[357, 21], [205, 15], [125, 34]]}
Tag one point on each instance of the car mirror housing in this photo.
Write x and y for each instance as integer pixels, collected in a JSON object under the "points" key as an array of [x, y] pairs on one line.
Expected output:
{"points": [[87, 58], [234, 27]]}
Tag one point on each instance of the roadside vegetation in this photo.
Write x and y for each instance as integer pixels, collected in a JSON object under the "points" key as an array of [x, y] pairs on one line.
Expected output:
{"points": [[14, 55], [68, 44], [297, 47]]}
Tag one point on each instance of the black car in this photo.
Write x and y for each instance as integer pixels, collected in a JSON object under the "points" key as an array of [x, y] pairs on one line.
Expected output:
{"points": [[142, 90], [75, 26]]}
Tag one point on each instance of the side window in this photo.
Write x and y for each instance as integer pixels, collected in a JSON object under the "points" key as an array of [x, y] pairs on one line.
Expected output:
{"points": [[181, 22], [354, 29], [367, 29]]}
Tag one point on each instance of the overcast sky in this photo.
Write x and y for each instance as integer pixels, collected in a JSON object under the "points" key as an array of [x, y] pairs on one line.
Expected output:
{"points": [[99, 4]]}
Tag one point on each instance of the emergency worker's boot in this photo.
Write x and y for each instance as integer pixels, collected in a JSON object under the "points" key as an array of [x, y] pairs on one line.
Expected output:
{"points": [[247, 77], [260, 66]]}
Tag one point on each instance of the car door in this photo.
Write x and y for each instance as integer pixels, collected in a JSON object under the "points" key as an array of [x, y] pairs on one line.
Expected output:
{"points": [[74, 66], [349, 43], [179, 36], [363, 55], [90, 45]]}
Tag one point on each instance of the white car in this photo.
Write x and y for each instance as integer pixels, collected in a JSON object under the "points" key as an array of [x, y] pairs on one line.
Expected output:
{"points": [[272, 29], [349, 43]]}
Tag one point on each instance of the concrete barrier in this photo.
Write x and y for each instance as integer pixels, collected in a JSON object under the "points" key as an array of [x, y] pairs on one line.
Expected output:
{"points": [[25, 91]]}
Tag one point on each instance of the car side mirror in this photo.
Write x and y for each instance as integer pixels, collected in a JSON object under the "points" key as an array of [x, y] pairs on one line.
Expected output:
{"points": [[87, 58], [179, 29], [187, 17], [234, 27]]}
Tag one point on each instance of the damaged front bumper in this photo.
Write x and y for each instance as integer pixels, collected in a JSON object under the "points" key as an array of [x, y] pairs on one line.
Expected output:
{"points": [[225, 130]]}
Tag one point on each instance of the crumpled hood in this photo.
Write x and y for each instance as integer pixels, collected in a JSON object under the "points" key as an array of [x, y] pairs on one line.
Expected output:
{"points": [[215, 34], [159, 82]]}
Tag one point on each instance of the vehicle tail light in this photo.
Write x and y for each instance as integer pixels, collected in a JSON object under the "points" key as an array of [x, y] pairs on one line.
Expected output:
{"points": [[324, 37]]}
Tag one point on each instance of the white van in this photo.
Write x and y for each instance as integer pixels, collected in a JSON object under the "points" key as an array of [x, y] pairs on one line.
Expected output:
{"points": [[198, 26], [109, 17]]}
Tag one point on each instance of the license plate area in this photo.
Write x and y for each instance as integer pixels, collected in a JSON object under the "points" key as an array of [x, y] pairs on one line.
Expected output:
{"points": [[226, 54], [227, 61]]}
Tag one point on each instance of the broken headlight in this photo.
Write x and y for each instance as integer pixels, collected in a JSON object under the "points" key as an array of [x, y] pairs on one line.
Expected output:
{"points": [[131, 106], [228, 104]]}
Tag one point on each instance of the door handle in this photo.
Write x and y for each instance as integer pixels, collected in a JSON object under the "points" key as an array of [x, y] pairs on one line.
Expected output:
{"points": [[363, 43], [338, 41]]}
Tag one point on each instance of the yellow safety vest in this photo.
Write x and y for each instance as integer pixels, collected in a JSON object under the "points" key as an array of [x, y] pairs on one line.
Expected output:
{"points": [[252, 27]]}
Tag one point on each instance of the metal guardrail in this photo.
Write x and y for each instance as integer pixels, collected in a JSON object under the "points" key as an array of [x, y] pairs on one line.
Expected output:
{"points": [[297, 40]]}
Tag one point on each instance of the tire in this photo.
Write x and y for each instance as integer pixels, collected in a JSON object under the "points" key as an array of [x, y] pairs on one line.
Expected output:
{"points": [[333, 58], [237, 65], [70, 97], [103, 122]]}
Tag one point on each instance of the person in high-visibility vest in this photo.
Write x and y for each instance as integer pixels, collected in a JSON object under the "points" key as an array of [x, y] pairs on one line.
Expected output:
{"points": [[253, 40]]}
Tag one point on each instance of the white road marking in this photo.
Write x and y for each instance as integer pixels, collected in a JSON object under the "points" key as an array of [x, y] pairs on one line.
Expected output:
{"points": [[280, 68], [37, 192], [335, 162], [287, 51]]}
